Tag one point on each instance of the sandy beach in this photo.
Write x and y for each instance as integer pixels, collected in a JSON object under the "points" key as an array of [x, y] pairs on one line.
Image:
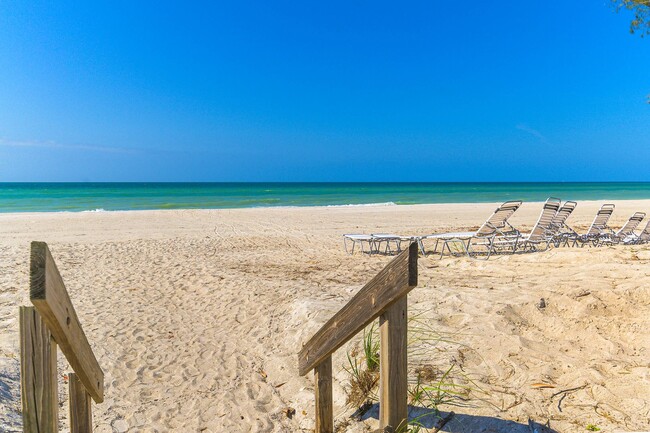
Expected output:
{"points": [[197, 316]]}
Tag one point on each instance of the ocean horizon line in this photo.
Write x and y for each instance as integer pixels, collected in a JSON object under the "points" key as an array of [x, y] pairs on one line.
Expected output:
{"points": [[218, 182]]}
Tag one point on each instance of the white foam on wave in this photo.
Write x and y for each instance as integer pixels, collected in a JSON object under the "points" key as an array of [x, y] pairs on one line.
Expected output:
{"points": [[95, 210], [388, 203]]}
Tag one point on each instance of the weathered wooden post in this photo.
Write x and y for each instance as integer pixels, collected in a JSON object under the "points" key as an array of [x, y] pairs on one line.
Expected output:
{"points": [[81, 417], [393, 369], [324, 402], [393, 360], [38, 380]]}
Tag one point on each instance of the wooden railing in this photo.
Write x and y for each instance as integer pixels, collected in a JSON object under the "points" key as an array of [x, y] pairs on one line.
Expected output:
{"points": [[385, 297], [52, 322]]}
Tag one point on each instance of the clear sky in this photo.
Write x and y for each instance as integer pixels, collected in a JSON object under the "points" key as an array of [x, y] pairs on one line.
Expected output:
{"points": [[322, 91]]}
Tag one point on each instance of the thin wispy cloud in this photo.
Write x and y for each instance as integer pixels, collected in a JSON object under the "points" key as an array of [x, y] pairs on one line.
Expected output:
{"points": [[49, 144], [532, 131]]}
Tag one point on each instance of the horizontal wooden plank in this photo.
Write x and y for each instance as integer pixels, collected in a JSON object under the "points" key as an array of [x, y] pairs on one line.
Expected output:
{"points": [[390, 284], [51, 299]]}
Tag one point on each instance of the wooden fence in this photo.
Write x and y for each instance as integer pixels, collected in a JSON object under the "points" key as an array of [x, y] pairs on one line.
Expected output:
{"points": [[385, 297], [52, 322]]}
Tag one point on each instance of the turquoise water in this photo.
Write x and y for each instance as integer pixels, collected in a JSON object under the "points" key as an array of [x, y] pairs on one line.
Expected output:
{"points": [[55, 197]]}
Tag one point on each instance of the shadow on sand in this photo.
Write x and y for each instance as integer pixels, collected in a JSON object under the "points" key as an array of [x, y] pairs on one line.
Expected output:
{"points": [[462, 423]]}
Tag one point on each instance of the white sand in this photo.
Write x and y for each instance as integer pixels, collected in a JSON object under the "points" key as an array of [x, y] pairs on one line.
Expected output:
{"points": [[196, 317]]}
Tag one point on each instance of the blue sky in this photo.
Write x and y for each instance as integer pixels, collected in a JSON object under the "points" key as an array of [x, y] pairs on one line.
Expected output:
{"points": [[327, 91]]}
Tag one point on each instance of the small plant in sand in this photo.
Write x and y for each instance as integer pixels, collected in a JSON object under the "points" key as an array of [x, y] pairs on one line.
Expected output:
{"points": [[433, 388], [413, 426], [364, 371], [429, 386]]}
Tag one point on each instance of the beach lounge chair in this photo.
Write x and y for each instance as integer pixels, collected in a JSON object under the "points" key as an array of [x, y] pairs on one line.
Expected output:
{"points": [[356, 239], [625, 232], [543, 232], [642, 238], [598, 228], [375, 243], [562, 231], [392, 243], [480, 242]]}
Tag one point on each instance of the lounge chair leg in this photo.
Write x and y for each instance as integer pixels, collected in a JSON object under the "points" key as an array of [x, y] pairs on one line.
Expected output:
{"points": [[491, 249], [466, 248], [421, 245]]}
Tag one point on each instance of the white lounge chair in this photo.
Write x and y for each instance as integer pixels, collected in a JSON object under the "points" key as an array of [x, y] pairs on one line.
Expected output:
{"points": [[357, 239], [375, 243], [392, 243], [598, 228], [562, 231], [625, 232], [480, 242], [543, 232], [641, 238]]}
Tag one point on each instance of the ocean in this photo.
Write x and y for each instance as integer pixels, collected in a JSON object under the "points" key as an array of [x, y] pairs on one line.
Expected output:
{"points": [[79, 197]]}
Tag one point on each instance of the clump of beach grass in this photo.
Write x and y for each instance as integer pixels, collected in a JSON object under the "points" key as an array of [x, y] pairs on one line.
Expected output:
{"points": [[364, 370], [429, 385]]}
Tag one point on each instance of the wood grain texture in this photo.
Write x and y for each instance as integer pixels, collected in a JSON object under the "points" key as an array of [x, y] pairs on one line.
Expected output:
{"points": [[81, 418], [324, 402], [38, 378], [390, 284], [51, 299], [393, 368]]}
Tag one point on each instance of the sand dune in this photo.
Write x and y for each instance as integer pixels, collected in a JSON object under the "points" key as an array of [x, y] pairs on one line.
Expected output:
{"points": [[197, 316]]}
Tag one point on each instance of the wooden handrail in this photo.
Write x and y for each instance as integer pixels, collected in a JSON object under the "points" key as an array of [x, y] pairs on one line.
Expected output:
{"points": [[385, 296], [389, 285], [52, 322], [50, 298]]}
